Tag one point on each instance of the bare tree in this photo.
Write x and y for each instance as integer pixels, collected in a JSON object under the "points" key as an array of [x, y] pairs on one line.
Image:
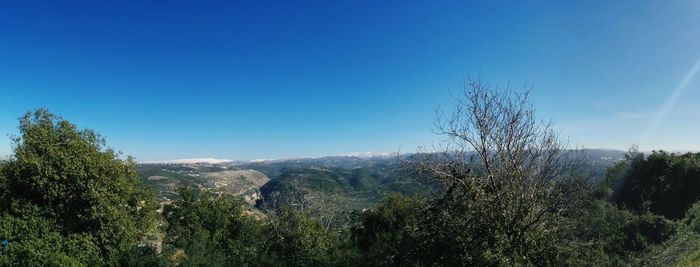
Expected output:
{"points": [[521, 179]]}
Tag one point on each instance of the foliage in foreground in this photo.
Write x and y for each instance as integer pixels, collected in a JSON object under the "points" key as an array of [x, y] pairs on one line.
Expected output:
{"points": [[68, 200], [662, 183], [208, 230]]}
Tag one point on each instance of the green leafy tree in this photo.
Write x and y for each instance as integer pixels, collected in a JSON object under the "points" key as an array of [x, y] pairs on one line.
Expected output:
{"points": [[145, 256], [212, 230], [69, 179], [663, 183], [388, 234], [611, 236], [33, 241], [683, 248], [295, 239]]}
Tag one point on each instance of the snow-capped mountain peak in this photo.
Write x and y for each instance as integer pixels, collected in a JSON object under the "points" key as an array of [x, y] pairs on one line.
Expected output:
{"points": [[191, 161], [368, 154]]}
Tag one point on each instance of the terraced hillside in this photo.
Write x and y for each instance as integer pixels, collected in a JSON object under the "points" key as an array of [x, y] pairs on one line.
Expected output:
{"points": [[164, 178]]}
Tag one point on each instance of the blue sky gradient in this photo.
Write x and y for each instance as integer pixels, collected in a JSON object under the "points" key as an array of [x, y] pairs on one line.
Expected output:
{"points": [[263, 79]]}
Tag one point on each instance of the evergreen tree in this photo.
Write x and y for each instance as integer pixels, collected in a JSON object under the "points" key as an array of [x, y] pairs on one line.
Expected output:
{"points": [[65, 181]]}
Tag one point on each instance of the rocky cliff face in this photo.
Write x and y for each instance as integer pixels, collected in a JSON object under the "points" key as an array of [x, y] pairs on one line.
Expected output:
{"points": [[164, 178], [243, 183]]}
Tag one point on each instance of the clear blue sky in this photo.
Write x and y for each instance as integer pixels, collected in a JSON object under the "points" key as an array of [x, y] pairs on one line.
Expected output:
{"points": [[261, 79]]}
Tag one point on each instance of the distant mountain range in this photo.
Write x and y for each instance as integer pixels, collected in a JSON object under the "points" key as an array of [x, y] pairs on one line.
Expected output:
{"points": [[348, 182], [189, 161], [351, 181], [361, 155], [595, 154]]}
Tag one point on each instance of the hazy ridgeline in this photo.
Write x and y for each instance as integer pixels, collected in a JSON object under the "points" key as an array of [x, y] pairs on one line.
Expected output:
{"points": [[502, 190]]}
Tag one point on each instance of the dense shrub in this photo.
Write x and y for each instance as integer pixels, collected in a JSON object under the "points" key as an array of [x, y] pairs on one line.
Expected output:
{"points": [[389, 233], [663, 183], [65, 192], [211, 230]]}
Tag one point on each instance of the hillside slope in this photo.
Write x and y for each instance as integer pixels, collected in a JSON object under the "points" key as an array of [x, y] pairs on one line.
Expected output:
{"points": [[346, 189], [164, 178]]}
